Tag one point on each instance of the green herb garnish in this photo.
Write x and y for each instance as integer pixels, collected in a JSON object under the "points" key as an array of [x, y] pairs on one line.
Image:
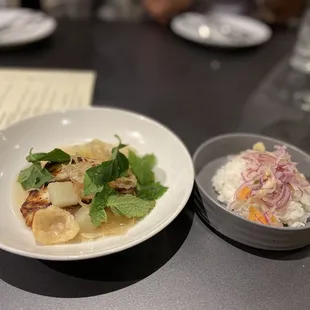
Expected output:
{"points": [[96, 182], [108, 171], [130, 206], [55, 156], [142, 167], [151, 191], [97, 213], [90, 187], [34, 177]]}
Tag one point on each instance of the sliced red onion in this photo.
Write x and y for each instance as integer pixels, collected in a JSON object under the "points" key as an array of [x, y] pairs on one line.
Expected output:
{"points": [[287, 183], [285, 199], [266, 217]]}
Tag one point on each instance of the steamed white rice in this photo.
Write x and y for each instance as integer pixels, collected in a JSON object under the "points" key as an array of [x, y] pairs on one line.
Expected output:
{"points": [[228, 179]]}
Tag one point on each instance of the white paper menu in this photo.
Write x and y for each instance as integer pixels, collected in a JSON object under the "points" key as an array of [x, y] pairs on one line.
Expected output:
{"points": [[25, 93]]}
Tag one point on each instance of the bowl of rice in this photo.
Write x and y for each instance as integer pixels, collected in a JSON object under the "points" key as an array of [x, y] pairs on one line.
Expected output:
{"points": [[255, 190]]}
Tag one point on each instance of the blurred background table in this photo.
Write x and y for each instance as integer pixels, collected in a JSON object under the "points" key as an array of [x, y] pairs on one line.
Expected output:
{"points": [[198, 92]]}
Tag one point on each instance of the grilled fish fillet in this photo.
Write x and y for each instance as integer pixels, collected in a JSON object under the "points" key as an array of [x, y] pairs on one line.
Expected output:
{"points": [[74, 171], [36, 200]]}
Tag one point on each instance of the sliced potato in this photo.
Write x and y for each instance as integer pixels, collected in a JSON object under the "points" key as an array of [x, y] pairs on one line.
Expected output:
{"points": [[62, 194], [54, 225], [84, 221]]}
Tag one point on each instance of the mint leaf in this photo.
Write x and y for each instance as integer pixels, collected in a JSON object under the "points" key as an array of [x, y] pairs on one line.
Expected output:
{"points": [[142, 167], [151, 191], [97, 213], [90, 187], [101, 174], [121, 163], [34, 177], [55, 156], [115, 150], [130, 206], [108, 171]]}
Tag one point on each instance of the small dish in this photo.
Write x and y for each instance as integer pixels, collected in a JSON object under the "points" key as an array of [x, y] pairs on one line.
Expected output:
{"points": [[77, 126], [214, 153], [221, 29]]}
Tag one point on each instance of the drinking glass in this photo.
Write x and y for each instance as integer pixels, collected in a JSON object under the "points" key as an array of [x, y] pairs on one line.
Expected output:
{"points": [[300, 59], [75, 9]]}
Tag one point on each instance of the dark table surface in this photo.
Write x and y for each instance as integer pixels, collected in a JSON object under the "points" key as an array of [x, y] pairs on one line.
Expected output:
{"points": [[198, 92]]}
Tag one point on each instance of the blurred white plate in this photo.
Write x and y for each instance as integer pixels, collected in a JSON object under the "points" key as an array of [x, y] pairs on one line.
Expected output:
{"points": [[221, 29], [175, 170], [24, 26]]}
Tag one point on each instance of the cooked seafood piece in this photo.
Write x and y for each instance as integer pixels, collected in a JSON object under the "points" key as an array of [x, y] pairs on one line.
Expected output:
{"points": [[125, 183], [75, 171], [36, 200], [56, 170]]}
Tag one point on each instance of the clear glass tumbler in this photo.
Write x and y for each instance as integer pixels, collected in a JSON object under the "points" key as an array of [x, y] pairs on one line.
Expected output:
{"points": [[300, 59], [75, 9]]}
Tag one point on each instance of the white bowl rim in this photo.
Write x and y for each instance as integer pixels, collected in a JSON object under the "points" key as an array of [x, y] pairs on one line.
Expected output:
{"points": [[157, 229], [241, 134]]}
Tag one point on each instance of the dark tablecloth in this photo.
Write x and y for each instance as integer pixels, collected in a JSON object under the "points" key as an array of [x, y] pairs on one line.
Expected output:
{"points": [[198, 92]]}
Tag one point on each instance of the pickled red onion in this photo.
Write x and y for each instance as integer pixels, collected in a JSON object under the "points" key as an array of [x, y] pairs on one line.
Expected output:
{"points": [[272, 178]]}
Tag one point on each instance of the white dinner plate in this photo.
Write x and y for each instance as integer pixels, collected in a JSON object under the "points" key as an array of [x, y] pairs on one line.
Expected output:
{"points": [[24, 26], [43, 133], [221, 29]]}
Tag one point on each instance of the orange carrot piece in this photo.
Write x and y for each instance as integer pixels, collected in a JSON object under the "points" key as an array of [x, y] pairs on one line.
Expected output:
{"points": [[244, 193]]}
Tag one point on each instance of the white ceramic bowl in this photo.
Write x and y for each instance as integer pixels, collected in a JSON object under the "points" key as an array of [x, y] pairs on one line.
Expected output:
{"points": [[175, 170]]}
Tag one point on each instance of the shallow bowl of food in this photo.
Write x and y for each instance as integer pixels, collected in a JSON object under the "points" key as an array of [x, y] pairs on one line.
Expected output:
{"points": [[254, 190], [91, 182]]}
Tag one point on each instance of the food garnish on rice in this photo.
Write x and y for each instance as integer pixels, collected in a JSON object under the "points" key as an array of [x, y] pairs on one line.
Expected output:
{"points": [[264, 187]]}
